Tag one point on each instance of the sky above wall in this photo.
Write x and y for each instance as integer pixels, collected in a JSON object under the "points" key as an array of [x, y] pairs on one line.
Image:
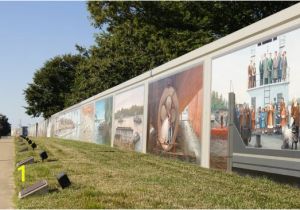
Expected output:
{"points": [[30, 34]]}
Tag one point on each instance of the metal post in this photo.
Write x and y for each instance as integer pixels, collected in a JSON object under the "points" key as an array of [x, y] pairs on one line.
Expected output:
{"points": [[231, 106]]}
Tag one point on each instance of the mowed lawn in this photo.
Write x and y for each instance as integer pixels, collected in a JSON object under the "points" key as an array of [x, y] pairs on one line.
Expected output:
{"points": [[105, 177]]}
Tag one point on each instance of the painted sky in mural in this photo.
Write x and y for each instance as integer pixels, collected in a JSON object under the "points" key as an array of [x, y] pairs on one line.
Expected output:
{"points": [[103, 121], [87, 122], [67, 125]]}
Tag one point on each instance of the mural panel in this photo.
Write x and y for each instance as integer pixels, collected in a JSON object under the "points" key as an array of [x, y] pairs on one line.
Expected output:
{"points": [[87, 122], [128, 119], [67, 125], [103, 121], [175, 115], [264, 79]]}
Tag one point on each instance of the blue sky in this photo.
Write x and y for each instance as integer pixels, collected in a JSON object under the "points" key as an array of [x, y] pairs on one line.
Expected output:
{"points": [[31, 33]]}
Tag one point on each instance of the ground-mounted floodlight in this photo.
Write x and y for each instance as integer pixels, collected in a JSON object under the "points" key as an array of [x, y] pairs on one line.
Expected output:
{"points": [[43, 155], [29, 141], [63, 180], [40, 187], [23, 149], [33, 145], [29, 160]]}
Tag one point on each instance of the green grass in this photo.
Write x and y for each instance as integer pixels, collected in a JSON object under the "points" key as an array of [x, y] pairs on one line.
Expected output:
{"points": [[104, 177]]}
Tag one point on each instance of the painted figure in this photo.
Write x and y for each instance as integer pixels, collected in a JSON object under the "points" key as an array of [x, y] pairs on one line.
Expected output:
{"points": [[253, 74], [222, 121], [283, 113], [270, 68], [249, 76], [275, 67], [263, 120], [253, 118], [265, 69], [284, 66], [270, 120], [295, 115], [241, 117], [261, 71], [279, 68]]}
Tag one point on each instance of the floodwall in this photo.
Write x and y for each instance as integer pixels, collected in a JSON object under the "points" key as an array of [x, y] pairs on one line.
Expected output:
{"points": [[180, 109]]}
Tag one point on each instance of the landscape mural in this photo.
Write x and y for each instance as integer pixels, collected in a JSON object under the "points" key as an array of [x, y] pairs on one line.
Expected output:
{"points": [[264, 78], [67, 125], [128, 119], [87, 122], [175, 115], [103, 121]]}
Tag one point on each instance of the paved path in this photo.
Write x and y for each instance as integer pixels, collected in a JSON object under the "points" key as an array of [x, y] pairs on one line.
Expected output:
{"points": [[6, 172]]}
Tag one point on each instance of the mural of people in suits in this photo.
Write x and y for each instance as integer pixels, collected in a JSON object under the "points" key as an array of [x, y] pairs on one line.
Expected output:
{"points": [[284, 66]]}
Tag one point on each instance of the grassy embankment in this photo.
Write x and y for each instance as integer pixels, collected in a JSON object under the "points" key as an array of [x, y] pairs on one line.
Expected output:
{"points": [[104, 177]]}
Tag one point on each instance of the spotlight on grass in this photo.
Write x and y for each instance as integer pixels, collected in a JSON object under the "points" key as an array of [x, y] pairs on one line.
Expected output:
{"points": [[43, 155], [33, 145], [29, 141], [63, 180]]}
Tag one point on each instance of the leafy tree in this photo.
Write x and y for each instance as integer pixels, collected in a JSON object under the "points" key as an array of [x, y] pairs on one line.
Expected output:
{"points": [[4, 125], [136, 36], [139, 36], [218, 102], [52, 85]]}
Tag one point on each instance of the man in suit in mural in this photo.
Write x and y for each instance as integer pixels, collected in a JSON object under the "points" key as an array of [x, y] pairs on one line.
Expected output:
{"points": [[284, 65], [279, 67], [261, 71], [253, 74], [249, 76], [265, 69], [276, 115], [270, 68], [275, 66]]}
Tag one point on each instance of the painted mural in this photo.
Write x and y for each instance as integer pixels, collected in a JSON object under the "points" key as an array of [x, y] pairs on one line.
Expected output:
{"points": [[87, 122], [264, 79], [128, 119], [103, 121], [42, 128], [175, 115], [67, 125]]}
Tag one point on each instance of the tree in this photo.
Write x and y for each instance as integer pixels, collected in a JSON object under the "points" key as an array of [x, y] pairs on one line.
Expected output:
{"points": [[4, 125], [136, 36], [139, 36], [52, 85], [218, 102]]}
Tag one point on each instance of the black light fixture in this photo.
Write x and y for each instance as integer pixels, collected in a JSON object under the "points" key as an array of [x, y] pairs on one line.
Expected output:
{"points": [[43, 155], [63, 180], [33, 145], [29, 141]]}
